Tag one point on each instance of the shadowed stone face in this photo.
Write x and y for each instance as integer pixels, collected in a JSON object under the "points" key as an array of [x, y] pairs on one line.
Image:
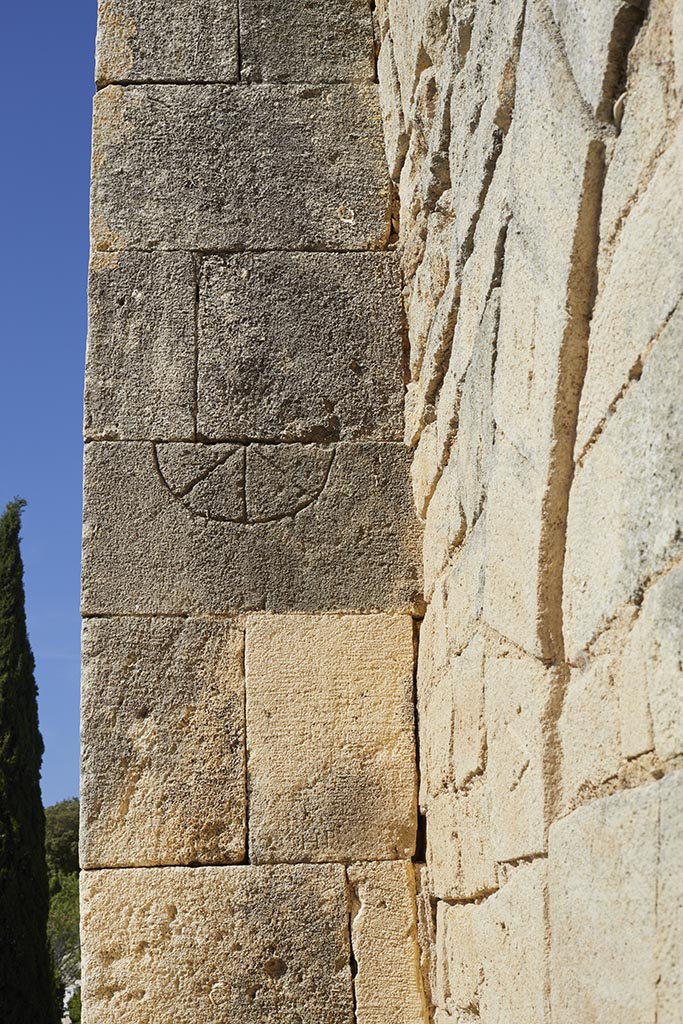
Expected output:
{"points": [[162, 742], [204, 167], [156, 544]]}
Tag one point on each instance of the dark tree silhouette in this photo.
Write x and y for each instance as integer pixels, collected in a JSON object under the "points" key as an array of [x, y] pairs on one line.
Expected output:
{"points": [[26, 980]]}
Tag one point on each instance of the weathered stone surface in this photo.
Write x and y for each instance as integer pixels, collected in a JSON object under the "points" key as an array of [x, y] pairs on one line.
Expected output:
{"points": [[459, 853], [166, 40], [597, 37], [310, 43], [520, 697], [654, 655], [330, 737], [445, 523], [139, 378], [300, 346], [607, 863], [624, 523], [163, 744], [638, 297], [589, 728], [148, 548], [387, 985], [464, 589], [395, 135], [492, 956], [249, 944], [173, 164]]}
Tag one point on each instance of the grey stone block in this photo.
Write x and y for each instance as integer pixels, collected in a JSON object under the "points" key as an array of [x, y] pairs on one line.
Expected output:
{"points": [[306, 42], [288, 528], [163, 742], [166, 40], [217, 168], [300, 346], [140, 366]]}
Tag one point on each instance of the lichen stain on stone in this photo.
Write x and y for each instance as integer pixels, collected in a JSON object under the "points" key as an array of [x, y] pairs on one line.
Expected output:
{"points": [[115, 57]]}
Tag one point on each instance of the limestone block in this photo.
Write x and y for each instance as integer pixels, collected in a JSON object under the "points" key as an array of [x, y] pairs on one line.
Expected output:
{"points": [[670, 900], [638, 297], [464, 588], [597, 37], [444, 523], [492, 956], [246, 943], [172, 166], [459, 853], [166, 40], [139, 379], [624, 522], [435, 715], [514, 602], [589, 727], [429, 280], [457, 958], [648, 108], [163, 744], [406, 20], [324, 528], [677, 39], [607, 864], [395, 135], [388, 986], [520, 696], [300, 346], [311, 43], [655, 657], [635, 719], [331, 755], [512, 936]]}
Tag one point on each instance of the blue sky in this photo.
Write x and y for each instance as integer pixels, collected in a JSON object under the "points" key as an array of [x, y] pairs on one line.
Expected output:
{"points": [[47, 67]]}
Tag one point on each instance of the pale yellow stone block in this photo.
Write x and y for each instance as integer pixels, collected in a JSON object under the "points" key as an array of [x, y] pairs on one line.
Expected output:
{"points": [[464, 588], [520, 695], [615, 908], [331, 753], [248, 944], [388, 984], [457, 958], [459, 853], [163, 743]]}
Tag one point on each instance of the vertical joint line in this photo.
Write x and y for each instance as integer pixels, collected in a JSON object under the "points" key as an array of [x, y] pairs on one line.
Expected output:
{"points": [[352, 902]]}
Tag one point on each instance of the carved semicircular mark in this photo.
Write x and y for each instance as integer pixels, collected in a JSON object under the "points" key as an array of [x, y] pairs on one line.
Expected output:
{"points": [[236, 483]]}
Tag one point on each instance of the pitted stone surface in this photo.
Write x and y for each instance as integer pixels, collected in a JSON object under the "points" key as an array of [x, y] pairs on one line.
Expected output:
{"points": [[300, 347], [167, 40], [139, 378], [331, 756], [173, 165], [306, 42], [163, 755], [145, 551], [248, 944]]}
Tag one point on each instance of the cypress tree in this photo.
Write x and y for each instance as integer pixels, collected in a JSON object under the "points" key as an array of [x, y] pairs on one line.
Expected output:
{"points": [[26, 981]]}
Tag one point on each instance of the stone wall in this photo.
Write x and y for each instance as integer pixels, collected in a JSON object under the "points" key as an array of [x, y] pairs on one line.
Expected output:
{"points": [[384, 306], [537, 150]]}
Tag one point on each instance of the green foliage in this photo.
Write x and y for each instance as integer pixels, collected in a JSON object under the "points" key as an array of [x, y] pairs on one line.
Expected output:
{"points": [[26, 983], [61, 837], [62, 928], [74, 1007]]}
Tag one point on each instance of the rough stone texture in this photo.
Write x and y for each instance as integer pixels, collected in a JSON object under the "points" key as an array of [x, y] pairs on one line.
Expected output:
{"points": [[388, 984], [163, 738], [596, 37], [624, 523], [173, 165], [610, 867], [273, 365], [302, 42], [331, 756], [167, 40], [249, 944], [345, 540], [459, 852], [139, 378]]}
